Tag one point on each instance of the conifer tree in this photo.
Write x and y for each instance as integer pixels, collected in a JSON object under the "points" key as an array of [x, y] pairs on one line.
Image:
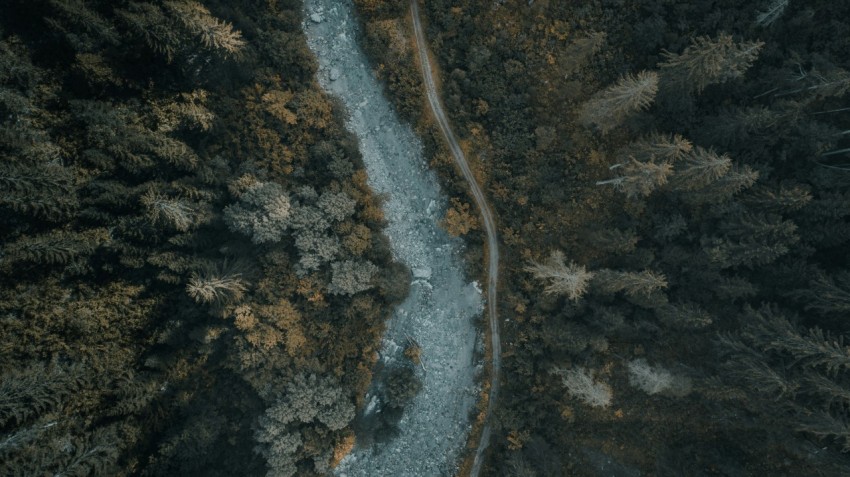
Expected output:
{"points": [[631, 283], [725, 187], [751, 239], [710, 61], [638, 179], [149, 22], [663, 147], [608, 108], [214, 33], [828, 294], [699, 168], [782, 199]]}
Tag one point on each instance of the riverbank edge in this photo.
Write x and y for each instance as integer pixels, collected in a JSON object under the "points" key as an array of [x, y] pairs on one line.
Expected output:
{"points": [[451, 180]]}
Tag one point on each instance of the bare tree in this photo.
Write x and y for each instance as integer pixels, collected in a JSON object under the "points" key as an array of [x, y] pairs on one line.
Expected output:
{"points": [[638, 178], [771, 13], [581, 385], [569, 279], [215, 285]]}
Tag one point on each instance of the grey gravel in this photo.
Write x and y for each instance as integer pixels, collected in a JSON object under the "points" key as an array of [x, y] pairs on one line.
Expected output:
{"points": [[443, 305]]}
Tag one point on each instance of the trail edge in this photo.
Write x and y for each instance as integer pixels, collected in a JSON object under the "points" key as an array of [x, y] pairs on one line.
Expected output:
{"points": [[489, 229]]}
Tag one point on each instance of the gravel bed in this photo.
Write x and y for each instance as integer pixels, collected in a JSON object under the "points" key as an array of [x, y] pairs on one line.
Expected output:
{"points": [[443, 305]]}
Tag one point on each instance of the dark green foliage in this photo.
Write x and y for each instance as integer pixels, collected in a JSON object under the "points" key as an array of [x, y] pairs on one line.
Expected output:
{"points": [[402, 385], [735, 190], [34, 391], [54, 248], [45, 191], [142, 332], [828, 295]]}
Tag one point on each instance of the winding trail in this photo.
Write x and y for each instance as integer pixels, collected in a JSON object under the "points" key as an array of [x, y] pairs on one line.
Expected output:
{"points": [[489, 229]]}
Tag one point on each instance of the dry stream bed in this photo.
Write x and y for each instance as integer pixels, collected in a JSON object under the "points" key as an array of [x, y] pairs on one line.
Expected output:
{"points": [[441, 311]]}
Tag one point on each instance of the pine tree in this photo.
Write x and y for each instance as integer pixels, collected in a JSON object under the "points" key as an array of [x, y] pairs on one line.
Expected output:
{"points": [[751, 239], [610, 107], [631, 283], [661, 147], [148, 21], [828, 294], [683, 316], [698, 169], [77, 21], [638, 179], [710, 61], [54, 248], [782, 199], [38, 389], [771, 329], [722, 189], [46, 191], [214, 33]]}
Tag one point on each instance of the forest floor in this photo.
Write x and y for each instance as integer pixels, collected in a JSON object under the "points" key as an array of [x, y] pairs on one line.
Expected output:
{"points": [[440, 312]]}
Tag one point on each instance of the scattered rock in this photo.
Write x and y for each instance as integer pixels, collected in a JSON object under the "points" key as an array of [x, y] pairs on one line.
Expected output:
{"points": [[441, 309], [432, 206]]}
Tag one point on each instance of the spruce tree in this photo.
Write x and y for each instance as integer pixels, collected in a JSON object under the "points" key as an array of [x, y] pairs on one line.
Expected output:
{"points": [[638, 179], [608, 108], [709, 61]]}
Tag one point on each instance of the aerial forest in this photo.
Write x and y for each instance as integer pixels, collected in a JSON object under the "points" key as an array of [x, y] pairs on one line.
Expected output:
{"points": [[672, 187], [193, 274], [194, 278]]}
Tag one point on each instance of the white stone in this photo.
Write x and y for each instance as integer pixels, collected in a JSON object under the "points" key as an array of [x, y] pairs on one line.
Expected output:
{"points": [[334, 74], [317, 18], [424, 272]]}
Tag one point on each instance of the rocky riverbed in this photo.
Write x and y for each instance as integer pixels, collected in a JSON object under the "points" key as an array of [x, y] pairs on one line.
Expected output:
{"points": [[442, 307]]}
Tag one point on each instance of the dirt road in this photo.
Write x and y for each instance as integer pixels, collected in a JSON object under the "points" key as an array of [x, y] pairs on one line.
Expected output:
{"points": [[489, 229]]}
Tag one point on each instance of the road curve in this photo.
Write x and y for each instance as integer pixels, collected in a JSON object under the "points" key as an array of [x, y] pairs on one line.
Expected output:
{"points": [[489, 229]]}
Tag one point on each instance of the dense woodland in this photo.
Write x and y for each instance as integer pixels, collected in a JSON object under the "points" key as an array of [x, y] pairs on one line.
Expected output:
{"points": [[193, 277], [673, 192]]}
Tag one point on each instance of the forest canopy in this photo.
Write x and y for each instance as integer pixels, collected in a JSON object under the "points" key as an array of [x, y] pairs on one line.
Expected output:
{"points": [[193, 275], [671, 188]]}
